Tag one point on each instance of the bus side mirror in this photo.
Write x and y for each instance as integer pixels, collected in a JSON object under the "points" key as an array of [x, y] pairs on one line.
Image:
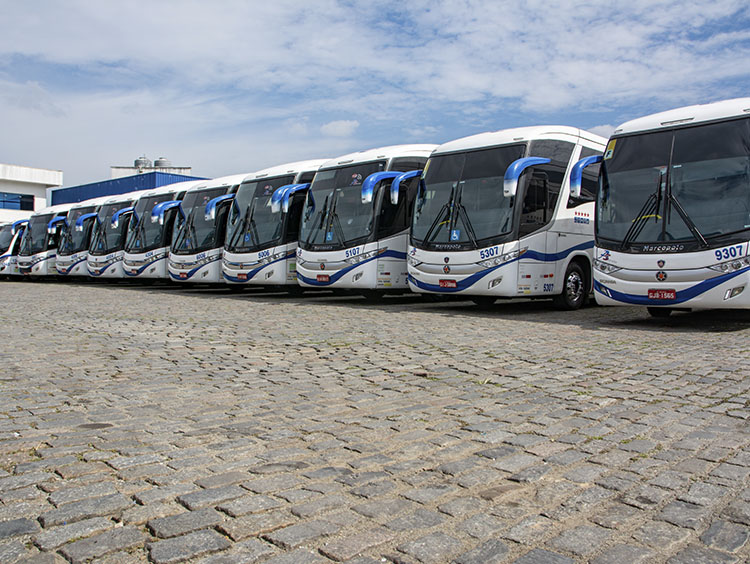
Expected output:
{"points": [[396, 184], [157, 213], [576, 174], [212, 204], [514, 171], [368, 186], [17, 225], [53, 224], [82, 218], [121, 212]]}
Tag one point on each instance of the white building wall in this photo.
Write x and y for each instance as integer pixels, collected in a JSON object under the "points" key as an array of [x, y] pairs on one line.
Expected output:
{"points": [[25, 180]]}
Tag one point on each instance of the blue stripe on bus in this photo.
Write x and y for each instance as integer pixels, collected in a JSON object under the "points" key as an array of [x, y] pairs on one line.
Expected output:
{"points": [[254, 272], [467, 282], [144, 267], [337, 275], [190, 273], [70, 268], [681, 296]]}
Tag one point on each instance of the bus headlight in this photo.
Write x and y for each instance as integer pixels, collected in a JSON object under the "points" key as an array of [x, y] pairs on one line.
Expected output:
{"points": [[729, 294], [502, 259], [732, 265], [605, 267], [267, 260]]}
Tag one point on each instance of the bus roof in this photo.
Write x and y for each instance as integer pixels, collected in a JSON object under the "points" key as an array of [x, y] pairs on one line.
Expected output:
{"points": [[687, 115], [288, 168], [518, 135], [57, 209], [227, 181], [170, 188], [420, 150]]}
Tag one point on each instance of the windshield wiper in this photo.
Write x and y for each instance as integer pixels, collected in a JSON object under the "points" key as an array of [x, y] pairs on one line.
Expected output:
{"points": [[463, 213], [322, 213], [689, 222], [438, 218], [649, 209], [335, 222]]}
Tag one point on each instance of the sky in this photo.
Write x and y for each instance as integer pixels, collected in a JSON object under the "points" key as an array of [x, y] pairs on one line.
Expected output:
{"points": [[229, 87]]}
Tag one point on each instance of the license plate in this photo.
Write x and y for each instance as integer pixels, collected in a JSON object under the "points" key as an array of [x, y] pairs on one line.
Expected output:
{"points": [[242, 276], [183, 275], [324, 278], [662, 295], [447, 283]]}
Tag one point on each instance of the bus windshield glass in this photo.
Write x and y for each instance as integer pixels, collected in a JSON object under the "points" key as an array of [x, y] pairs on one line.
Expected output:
{"points": [[461, 201], [252, 224], [688, 186], [193, 233], [334, 216], [6, 236], [105, 238], [73, 240], [35, 236], [143, 234]]}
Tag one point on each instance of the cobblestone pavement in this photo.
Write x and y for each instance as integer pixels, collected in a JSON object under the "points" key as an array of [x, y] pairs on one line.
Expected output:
{"points": [[159, 424]]}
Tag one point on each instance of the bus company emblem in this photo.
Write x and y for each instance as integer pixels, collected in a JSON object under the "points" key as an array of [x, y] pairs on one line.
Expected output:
{"points": [[660, 263], [322, 266], [413, 252], [447, 269], [446, 260], [661, 276]]}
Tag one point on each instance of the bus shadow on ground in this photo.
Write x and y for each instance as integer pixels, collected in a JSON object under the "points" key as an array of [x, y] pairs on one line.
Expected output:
{"points": [[535, 311]]}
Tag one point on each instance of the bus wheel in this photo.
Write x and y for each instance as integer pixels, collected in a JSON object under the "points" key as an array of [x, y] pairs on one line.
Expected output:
{"points": [[484, 301], [660, 312], [574, 290]]}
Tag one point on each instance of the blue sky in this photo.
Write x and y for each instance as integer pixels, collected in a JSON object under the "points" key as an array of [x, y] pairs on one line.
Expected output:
{"points": [[235, 86]]}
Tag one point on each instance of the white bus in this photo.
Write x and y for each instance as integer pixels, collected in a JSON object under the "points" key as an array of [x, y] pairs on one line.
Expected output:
{"points": [[673, 211], [495, 218], [263, 225], [75, 237], [10, 242], [38, 250], [198, 239], [108, 236], [147, 242], [352, 234]]}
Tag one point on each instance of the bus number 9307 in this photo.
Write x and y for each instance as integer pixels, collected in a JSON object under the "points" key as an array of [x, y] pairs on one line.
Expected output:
{"points": [[728, 252]]}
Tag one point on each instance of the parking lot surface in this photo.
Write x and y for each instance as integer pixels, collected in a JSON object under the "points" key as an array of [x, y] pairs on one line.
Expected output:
{"points": [[169, 424]]}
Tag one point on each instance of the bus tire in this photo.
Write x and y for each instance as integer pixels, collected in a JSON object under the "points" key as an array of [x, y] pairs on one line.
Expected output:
{"points": [[575, 289], [659, 312]]}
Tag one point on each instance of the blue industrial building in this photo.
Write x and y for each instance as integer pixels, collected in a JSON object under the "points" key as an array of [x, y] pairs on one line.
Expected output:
{"points": [[145, 181]]}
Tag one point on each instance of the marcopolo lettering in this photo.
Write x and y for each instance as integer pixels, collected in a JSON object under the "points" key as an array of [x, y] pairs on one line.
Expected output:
{"points": [[662, 248]]}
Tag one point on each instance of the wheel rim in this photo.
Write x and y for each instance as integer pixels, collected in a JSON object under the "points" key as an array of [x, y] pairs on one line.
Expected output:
{"points": [[574, 287]]}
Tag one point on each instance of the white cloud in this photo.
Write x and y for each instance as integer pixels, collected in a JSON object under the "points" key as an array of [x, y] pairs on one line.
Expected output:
{"points": [[340, 128], [603, 130], [231, 83]]}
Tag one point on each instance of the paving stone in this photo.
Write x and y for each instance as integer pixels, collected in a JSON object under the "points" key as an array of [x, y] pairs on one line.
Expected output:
{"points": [[321, 505], [739, 512], [702, 493], [249, 504], [112, 505], [725, 536], [539, 556], [426, 494], [12, 551], [69, 495], [24, 480], [272, 484], [435, 547], [684, 514], [646, 497], [174, 525], [660, 535], [481, 526], [516, 462], [213, 496], [419, 519], [17, 527], [187, 546], [615, 516], [581, 541], [140, 514], [490, 552], [97, 546], [376, 509], [461, 506], [225, 479], [50, 539], [299, 556], [349, 547], [246, 552], [529, 530], [699, 555], [256, 524], [622, 553], [301, 533], [162, 493]]}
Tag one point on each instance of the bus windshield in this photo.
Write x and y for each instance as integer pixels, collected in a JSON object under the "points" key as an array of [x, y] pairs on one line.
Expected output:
{"points": [[6, 237], [334, 216], [143, 234], [461, 202], [107, 239], [252, 224], [35, 237], [690, 186], [193, 233], [73, 240]]}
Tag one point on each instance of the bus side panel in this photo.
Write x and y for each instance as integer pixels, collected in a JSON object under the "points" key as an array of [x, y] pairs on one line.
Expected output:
{"points": [[392, 272]]}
